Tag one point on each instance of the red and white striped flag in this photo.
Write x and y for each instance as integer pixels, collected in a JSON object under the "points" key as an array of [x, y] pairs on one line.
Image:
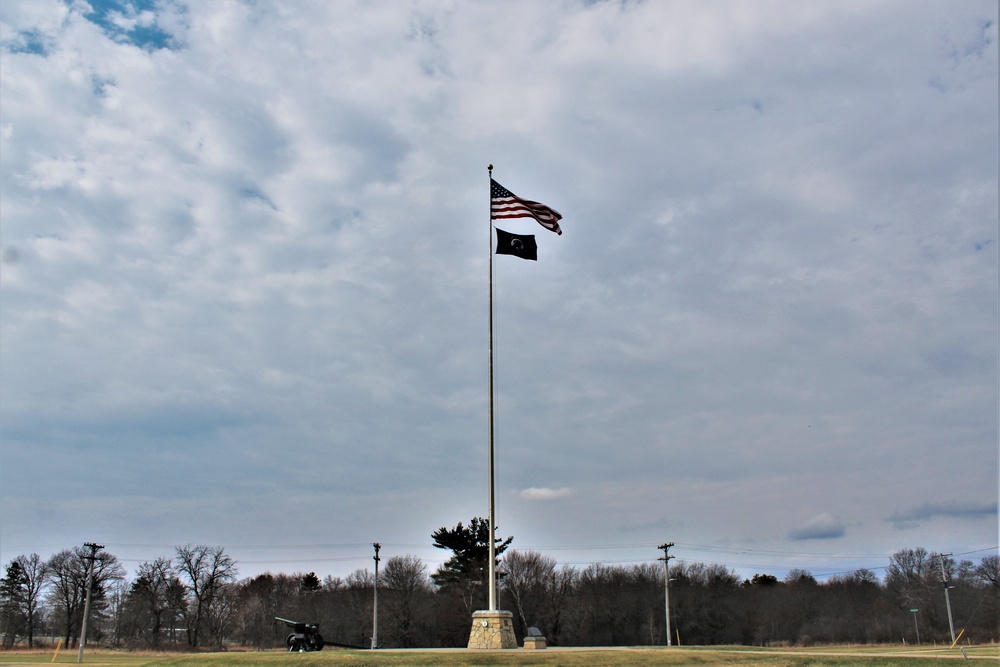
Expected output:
{"points": [[505, 204]]}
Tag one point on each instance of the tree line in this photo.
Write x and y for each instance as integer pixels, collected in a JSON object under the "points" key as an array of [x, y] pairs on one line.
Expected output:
{"points": [[195, 600]]}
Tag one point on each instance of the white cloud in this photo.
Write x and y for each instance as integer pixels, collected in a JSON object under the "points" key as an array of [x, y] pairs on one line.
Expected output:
{"points": [[263, 250], [544, 493]]}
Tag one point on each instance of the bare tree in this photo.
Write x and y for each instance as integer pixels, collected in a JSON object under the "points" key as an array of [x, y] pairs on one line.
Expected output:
{"points": [[705, 604], [21, 592], [151, 593], [206, 570], [67, 572], [117, 598], [528, 575], [559, 589], [222, 611], [988, 571], [908, 571], [260, 600], [406, 582], [34, 571], [600, 604], [913, 582]]}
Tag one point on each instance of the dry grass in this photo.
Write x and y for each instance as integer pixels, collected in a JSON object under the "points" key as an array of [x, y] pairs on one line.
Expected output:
{"points": [[616, 657]]}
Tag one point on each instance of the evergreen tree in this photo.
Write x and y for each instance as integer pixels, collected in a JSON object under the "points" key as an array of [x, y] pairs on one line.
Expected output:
{"points": [[467, 571], [13, 592]]}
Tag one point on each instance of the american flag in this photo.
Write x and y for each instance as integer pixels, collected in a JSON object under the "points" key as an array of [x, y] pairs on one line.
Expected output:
{"points": [[505, 204]]}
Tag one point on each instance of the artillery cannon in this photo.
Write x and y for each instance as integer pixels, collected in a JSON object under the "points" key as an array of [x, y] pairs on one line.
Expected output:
{"points": [[306, 637]]}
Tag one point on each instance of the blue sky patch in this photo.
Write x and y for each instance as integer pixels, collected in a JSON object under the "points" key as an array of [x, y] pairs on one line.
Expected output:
{"points": [[132, 22], [27, 42]]}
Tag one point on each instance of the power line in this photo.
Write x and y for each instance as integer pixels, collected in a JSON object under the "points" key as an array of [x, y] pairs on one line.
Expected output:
{"points": [[760, 563], [545, 547]]}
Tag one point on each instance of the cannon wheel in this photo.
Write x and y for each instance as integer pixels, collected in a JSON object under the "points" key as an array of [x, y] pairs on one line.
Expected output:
{"points": [[294, 644]]}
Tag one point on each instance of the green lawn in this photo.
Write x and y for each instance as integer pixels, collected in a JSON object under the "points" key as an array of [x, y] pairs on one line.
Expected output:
{"points": [[619, 657]]}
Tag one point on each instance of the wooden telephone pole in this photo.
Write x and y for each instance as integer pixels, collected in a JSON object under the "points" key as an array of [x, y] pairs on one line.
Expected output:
{"points": [[94, 548], [666, 584]]}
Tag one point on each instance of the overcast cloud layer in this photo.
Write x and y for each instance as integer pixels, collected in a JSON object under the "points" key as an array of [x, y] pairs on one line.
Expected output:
{"points": [[245, 279]]}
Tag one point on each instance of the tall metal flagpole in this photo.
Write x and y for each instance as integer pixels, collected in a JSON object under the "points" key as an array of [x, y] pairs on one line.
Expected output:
{"points": [[492, 546]]}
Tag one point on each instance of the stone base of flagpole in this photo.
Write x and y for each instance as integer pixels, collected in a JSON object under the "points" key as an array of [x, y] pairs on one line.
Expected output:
{"points": [[492, 630]]}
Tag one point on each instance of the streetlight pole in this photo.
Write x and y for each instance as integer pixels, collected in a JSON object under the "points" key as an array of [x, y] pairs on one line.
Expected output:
{"points": [[375, 619], [86, 605], [666, 585]]}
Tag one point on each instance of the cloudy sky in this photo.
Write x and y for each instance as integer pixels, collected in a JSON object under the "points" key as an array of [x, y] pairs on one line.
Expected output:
{"points": [[245, 279]]}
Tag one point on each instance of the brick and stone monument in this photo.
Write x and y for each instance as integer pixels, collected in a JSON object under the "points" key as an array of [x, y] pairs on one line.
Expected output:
{"points": [[492, 630]]}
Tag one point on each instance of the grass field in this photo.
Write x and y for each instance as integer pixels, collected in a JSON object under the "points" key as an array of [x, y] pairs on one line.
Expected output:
{"points": [[613, 657]]}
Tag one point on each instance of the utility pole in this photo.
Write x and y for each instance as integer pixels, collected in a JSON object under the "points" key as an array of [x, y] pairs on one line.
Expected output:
{"points": [[947, 598], [86, 605], [375, 619], [666, 584]]}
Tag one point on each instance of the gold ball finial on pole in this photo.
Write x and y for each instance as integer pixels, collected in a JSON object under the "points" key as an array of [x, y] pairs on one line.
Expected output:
{"points": [[490, 167]]}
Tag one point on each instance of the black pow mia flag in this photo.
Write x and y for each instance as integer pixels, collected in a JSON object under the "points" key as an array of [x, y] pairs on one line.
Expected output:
{"points": [[519, 245]]}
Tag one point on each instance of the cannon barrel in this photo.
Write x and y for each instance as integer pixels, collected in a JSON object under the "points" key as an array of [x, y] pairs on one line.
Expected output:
{"points": [[307, 637]]}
